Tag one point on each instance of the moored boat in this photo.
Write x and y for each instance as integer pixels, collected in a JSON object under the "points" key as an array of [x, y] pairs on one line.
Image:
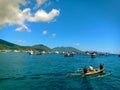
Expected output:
{"points": [[93, 54], [118, 55], [68, 54]]}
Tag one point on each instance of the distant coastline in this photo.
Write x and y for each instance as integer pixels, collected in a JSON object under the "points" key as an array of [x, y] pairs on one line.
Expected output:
{"points": [[6, 46]]}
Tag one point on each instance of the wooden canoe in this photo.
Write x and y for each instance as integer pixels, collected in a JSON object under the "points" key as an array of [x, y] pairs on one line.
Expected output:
{"points": [[95, 71]]}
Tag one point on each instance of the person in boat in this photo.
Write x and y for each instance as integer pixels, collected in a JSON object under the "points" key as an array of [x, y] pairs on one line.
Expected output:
{"points": [[101, 66], [85, 70], [91, 68]]}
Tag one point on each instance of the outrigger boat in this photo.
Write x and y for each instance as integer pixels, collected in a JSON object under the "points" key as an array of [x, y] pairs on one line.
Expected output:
{"points": [[95, 71]]}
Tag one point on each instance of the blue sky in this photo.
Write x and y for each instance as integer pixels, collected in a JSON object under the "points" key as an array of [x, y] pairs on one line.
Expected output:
{"points": [[83, 24]]}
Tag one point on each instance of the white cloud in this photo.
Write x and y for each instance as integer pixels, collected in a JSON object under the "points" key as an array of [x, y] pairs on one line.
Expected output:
{"points": [[43, 16], [11, 14], [22, 28], [44, 32], [54, 35], [20, 41]]}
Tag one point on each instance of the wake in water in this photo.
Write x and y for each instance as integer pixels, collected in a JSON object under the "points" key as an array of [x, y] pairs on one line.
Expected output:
{"points": [[35, 76], [76, 73], [102, 75], [99, 75]]}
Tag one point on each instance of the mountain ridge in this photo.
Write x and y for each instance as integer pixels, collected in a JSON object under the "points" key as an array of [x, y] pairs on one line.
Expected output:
{"points": [[66, 49], [5, 45]]}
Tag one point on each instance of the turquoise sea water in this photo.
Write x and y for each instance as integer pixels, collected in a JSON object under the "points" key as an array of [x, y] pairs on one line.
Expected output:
{"points": [[19, 71]]}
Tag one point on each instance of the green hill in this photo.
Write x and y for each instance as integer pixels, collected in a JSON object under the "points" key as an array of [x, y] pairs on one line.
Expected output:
{"points": [[5, 45], [66, 49], [40, 47]]}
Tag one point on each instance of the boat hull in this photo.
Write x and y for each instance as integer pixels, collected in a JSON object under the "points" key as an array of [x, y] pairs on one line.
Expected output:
{"points": [[95, 71]]}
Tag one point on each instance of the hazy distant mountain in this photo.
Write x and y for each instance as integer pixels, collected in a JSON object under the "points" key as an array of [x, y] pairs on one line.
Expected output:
{"points": [[66, 49], [5, 45]]}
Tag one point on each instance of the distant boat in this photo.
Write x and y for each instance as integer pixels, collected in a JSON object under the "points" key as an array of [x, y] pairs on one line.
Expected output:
{"points": [[118, 55], [93, 55], [95, 71], [87, 53], [37, 53], [68, 54], [31, 52], [16, 51]]}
